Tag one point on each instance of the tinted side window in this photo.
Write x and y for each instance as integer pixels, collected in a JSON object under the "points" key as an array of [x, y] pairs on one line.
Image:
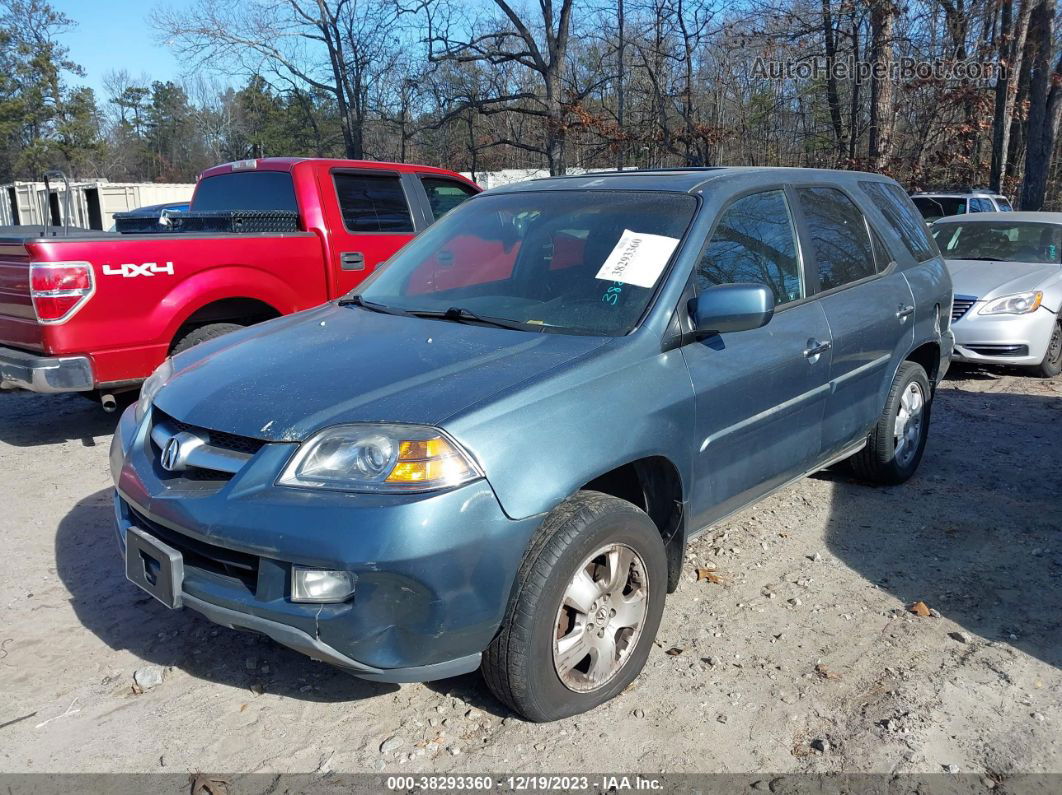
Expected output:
{"points": [[445, 194], [839, 237], [901, 215], [373, 203], [981, 206], [754, 242]]}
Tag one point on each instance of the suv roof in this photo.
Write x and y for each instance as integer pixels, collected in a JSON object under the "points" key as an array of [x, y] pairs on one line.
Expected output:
{"points": [[688, 180]]}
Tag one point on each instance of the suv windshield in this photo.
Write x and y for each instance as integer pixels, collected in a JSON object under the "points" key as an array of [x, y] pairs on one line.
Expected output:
{"points": [[1028, 242], [583, 262], [933, 207]]}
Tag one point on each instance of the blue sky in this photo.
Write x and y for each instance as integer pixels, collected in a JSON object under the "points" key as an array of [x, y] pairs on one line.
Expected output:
{"points": [[115, 34]]}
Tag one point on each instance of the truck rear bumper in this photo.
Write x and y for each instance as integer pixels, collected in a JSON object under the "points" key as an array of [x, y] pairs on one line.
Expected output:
{"points": [[23, 370]]}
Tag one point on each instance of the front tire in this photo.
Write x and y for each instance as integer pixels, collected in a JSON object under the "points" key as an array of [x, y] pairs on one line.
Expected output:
{"points": [[1052, 363], [585, 610], [895, 446]]}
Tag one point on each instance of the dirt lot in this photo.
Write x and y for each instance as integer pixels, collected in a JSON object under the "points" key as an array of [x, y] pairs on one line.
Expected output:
{"points": [[804, 659]]}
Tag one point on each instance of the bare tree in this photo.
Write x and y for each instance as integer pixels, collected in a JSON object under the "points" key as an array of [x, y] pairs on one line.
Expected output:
{"points": [[1045, 108], [1012, 36], [339, 47], [882, 20], [542, 53]]}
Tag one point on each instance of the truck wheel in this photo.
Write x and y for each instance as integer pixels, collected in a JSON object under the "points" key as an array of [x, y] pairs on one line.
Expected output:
{"points": [[202, 334], [1052, 363], [585, 609], [897, 442]]}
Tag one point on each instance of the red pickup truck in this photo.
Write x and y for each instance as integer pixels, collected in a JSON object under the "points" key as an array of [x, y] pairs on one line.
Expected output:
{"points": [[98, 312]]}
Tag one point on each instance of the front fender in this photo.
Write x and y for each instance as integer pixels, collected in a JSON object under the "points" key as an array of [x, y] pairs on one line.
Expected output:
{"points": [[541, 443]]}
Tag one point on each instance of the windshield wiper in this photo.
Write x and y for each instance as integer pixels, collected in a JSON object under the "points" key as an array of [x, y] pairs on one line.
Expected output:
{"points": [[372, 306], [460, 314]]}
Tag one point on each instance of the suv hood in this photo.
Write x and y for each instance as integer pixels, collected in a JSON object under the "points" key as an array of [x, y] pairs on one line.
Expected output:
{"points": [[990, 279], [286, 379]]}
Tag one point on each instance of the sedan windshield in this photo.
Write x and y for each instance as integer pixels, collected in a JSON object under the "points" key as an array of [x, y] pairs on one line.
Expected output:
{"points": [[584, 262], [1005, 242]]}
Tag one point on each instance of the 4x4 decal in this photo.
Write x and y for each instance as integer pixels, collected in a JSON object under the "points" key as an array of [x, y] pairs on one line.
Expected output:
{"points": [[131, 269]]}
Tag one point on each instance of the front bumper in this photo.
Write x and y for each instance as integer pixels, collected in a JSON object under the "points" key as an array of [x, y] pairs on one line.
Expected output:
{"points": [[23, 370], [434, 571], [1003, 339]]}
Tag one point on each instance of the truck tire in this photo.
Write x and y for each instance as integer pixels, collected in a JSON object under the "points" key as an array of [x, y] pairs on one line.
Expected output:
{"points": [[1052, 363], [202, 334], [584, 612], [895, 446]]}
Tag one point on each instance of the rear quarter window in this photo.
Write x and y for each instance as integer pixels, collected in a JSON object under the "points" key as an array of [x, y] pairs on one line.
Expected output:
{"points": [[902, 218], [839, 236]]}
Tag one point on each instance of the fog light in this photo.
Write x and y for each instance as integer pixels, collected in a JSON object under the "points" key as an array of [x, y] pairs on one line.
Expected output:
{"points": [[320, 585]]}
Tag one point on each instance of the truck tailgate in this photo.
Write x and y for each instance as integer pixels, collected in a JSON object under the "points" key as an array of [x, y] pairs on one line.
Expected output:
{"points": [[18, 322]]}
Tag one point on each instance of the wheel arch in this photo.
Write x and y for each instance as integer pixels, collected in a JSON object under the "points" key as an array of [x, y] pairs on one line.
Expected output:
{"points": [[653, 484], [928, 356]]}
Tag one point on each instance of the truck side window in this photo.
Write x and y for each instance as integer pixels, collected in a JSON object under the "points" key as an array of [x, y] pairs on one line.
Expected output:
{"points": [[839, 237], [754, 241], [902, 216], [445, 194], [373, 203]]}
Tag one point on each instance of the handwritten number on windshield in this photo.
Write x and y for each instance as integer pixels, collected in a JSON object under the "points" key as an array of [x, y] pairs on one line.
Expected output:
{"points": [[612, 294]]}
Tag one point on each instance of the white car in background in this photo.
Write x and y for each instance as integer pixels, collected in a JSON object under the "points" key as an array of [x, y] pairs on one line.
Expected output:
{"points": [[1006, 269], [938, 204]]}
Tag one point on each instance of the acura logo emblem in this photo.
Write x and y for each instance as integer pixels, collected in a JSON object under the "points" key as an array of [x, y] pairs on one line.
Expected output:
{"points": [[171, 454]]}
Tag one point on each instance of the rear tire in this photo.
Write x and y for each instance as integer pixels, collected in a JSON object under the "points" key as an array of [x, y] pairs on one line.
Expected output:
{"points": [[585, 610], [1052, 363], [202, 334], [895, 446]]}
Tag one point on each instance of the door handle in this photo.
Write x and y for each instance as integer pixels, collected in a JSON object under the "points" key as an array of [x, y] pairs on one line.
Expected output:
{"points": [[815, 348], [904, 312], [352, 261]]}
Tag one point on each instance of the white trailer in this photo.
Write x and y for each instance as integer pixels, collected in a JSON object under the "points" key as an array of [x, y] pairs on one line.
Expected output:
{"points": [[93, 201]]}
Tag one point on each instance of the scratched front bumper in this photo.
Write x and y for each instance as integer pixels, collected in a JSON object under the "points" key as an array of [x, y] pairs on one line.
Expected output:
{"points": [[434, 572]]}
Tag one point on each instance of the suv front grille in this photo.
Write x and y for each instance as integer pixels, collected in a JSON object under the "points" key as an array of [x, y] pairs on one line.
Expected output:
{"points": [[961, 305], [213, 457], [196, 554], [226, 441]]}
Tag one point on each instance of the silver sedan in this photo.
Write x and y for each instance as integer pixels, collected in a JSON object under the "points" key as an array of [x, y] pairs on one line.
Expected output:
{"points": [[1006, 269]]}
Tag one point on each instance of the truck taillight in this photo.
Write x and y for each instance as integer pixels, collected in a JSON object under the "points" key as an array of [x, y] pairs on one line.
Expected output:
{"points": [[60, 289]]}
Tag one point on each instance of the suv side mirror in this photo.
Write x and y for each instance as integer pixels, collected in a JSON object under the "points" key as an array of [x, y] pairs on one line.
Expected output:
{"points": [[731, 307]]}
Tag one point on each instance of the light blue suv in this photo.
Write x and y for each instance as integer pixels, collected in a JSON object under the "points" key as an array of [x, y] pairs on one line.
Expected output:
{"points": [[494, 453]]}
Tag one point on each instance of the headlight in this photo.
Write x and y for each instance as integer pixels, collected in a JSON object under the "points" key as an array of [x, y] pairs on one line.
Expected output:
{"points": [[156, 381], [1020, 304], [380, 458]]}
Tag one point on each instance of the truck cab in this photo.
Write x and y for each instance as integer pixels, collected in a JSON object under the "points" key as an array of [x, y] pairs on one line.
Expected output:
{"points": [[99, 311]]}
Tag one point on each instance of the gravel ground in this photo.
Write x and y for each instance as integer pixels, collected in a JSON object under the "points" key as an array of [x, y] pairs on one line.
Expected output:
{"points": [[803, 659]]}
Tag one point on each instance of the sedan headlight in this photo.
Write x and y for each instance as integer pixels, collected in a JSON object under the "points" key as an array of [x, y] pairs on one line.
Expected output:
{"points": [[1019, 304], [380, 458], [156, 381]]}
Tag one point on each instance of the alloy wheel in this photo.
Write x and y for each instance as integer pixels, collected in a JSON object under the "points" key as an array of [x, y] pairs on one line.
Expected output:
{"points": [[908, 426], [600, 618]]}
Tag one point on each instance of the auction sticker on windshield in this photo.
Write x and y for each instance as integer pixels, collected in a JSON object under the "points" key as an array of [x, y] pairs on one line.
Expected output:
{"points": [[638, 258]]}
